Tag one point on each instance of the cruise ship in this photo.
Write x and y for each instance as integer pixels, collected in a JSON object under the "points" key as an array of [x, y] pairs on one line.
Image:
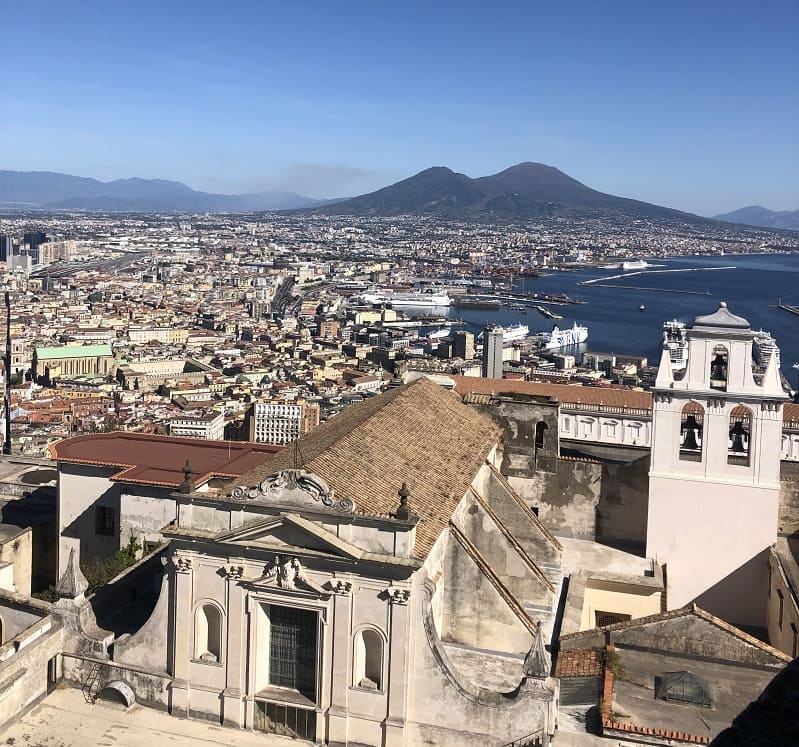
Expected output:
{"points": [[419, 299], [512, 333], [763, 348], [562, 338], [635, 264]]}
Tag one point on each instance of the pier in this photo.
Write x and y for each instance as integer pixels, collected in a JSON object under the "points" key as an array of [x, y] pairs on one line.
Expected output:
{"points": [[786, 307], [650, 272], [659, 290]]}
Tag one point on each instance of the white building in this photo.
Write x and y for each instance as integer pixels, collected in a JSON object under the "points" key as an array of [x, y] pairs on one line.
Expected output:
{"points": [[210, 426], [282, 422]]}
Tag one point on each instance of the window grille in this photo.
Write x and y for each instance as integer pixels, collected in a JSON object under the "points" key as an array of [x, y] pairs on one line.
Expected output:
{"points": [[287, 721], [683, 687], [104, 520], [292, 650], [610, 618]]}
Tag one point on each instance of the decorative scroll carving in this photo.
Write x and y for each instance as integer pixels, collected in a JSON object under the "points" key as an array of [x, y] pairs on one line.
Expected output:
{"points": [[284, 487], [337, 586], [233, 572], [182, 564], [398, 596]]}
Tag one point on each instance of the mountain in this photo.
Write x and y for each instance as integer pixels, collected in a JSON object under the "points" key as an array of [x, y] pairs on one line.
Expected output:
{"points": [[522, 191], [754, 215], [46, 189]]}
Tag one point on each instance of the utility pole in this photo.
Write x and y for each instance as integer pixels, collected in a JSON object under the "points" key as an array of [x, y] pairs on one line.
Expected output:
{"points": [[7, 397]]}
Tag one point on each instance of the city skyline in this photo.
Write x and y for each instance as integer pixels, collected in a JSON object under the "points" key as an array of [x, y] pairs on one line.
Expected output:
{"points": [[692, 108]]}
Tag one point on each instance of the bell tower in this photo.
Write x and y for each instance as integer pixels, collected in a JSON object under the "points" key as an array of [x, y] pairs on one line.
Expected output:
{"points": [[715, 468]]}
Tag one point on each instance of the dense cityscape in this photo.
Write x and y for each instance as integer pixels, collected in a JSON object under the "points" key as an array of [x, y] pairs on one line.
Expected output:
{"points": [[205, 325]]}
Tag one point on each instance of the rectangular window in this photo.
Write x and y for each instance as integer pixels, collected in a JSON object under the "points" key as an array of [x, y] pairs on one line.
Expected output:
{"points": [[610, 618], [781, 608], [292, 650], [795, 641], [104, 521]]}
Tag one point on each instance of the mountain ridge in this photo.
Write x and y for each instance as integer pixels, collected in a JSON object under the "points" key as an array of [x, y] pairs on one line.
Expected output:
{"points": [[525, 190], [57, 191], [755, 215]]}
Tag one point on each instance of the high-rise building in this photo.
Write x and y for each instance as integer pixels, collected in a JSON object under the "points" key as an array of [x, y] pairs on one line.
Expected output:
{"points": [[492, 352], [6, 247], [33, 240], [464, 345]]}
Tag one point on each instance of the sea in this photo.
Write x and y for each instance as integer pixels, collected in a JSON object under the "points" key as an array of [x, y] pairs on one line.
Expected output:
{"points": [[751, 285]]}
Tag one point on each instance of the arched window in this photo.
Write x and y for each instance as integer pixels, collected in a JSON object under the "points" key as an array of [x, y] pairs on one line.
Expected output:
{"points": [[691, 424], [540, 432], [739, 436], [719, 363], [368, 669], [208, 633]]}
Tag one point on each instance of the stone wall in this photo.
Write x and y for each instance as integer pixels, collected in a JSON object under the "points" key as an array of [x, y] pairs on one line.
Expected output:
{"points": [[623, 504], [566, 499], [789, 499]]}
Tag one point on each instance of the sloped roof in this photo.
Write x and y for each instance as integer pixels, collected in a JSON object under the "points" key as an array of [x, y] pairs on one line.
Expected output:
{"points": [[419, 433], [565, 393]]}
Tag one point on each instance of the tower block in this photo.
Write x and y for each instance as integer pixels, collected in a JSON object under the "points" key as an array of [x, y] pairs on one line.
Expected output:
{"points": [[714, 478]]}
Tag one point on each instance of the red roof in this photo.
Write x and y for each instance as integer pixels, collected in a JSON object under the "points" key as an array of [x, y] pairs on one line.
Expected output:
{"points": [[159, 460]]}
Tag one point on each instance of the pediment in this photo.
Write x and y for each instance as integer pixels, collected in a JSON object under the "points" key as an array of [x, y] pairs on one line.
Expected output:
{"points": [[289, 533], [294, 488]]}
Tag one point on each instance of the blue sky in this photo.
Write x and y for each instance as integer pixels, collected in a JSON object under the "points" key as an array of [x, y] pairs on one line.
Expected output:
{"points": [[694, 105]]}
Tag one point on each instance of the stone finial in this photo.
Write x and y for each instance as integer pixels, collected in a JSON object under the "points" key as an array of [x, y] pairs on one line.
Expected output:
{"points": [[187, 486], [403, 512], [536, 663], [73, 583]]}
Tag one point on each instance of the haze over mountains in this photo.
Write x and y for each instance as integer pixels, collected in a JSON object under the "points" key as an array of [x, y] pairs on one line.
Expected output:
{"points": [[754, 215], [527, 190], [50, 190]]}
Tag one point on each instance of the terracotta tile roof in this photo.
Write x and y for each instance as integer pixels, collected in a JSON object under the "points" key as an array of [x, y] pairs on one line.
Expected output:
{"points": [[419, 433], [159, 460], [578, 663], [565, 393]]}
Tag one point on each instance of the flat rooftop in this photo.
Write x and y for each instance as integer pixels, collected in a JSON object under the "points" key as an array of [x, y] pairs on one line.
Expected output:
{"points": [[159, 460], [64, 719]]}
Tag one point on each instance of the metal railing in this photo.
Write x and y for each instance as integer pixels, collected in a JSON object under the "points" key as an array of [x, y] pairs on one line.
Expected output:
{"points": [[535, 739]]}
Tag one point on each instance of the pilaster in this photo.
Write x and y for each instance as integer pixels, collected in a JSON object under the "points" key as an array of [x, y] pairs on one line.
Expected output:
{"points": [[394, 725]]}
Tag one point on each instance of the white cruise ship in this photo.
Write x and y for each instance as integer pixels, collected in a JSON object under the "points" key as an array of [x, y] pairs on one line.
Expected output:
{"points": [[763, 348], [562, 338], [635, 264], [512, 333], [418, 299]]}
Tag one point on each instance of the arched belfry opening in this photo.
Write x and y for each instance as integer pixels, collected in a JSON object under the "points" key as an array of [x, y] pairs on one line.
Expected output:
{"points": [[740, 436], [691, 429], [719, 366]]}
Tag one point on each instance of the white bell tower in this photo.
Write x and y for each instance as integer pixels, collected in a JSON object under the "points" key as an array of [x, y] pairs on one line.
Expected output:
{"points": [[714, 478]]}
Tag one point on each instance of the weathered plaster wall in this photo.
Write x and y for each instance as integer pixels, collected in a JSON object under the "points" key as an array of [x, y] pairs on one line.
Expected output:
{"points": [[623, 504], [474, 613], [789, 500], [80, 489], [566, 499], [23, 671]]}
